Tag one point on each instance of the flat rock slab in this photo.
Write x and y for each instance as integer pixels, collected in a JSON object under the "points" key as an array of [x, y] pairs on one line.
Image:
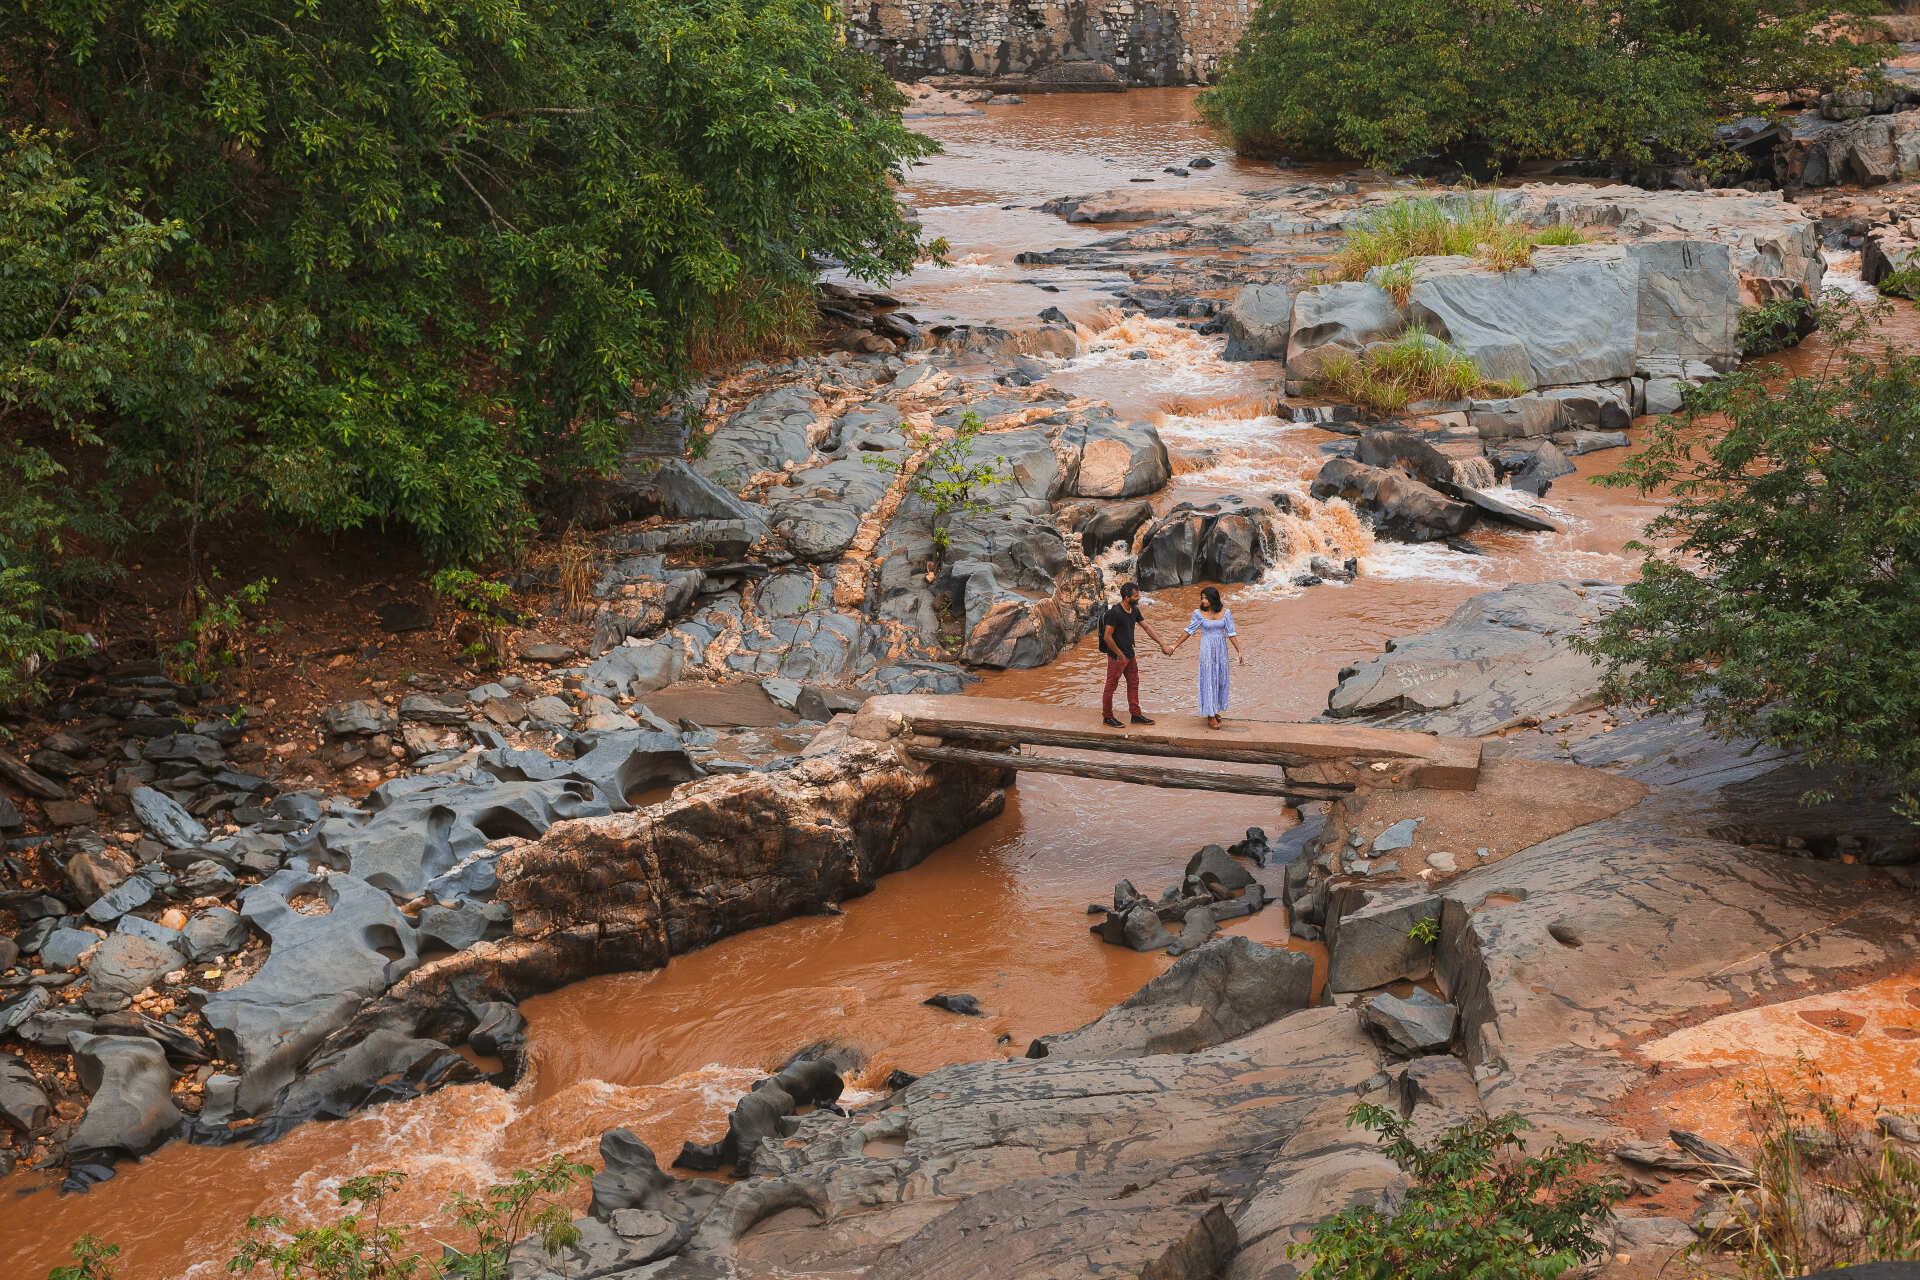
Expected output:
{"points": [[742, 705]]}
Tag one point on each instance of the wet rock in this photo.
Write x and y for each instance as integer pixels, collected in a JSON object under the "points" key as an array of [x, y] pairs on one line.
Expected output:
{"points": [[360, 719], [94, 873], [1397, 836], [1109, 525], [1532, 465], [1258, 322], [1197, 927], [638, 669], [132, 1110], [1505, 512], [956, 1003], [1213, 865], [385, 1066], [1500, 658], [1398, 506], [23, 1102], [1143, 930], [1417, 1023], [165, 820]]}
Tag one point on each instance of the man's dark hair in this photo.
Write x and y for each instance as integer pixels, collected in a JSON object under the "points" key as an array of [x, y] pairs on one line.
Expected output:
{"points": [[1129, 589]]}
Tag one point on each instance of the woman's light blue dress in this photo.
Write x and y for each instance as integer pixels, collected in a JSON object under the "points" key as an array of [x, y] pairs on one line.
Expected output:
{"points": [[1213, 659]]}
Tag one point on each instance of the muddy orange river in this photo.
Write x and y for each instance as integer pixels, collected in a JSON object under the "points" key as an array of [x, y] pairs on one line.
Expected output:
{"points": [[999, 914]]}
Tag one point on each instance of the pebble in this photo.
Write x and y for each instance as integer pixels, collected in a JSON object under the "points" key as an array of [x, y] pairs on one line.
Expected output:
{"points": [[1440, 861]]}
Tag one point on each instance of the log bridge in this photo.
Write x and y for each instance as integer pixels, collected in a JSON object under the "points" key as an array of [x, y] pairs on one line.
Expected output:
{"points": [[1305, 761]]}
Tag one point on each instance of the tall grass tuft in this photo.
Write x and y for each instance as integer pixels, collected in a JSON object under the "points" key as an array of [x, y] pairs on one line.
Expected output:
{"points": [[1413, 367], [1830, 1185], [1473, 224]]}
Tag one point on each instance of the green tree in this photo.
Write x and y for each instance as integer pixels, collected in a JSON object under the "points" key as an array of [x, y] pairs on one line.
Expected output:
{"points": [[416, 261], [1619, 79], [1478, 1206], [1780, 589], [950, 475]]}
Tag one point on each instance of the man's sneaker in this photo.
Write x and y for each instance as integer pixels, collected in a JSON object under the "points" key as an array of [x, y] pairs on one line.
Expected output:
{"points": [[1141, 720], [1110, 721]]}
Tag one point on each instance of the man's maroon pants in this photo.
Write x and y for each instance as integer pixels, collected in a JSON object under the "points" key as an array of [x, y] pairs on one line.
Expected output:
{"points": [[1117, 667]]}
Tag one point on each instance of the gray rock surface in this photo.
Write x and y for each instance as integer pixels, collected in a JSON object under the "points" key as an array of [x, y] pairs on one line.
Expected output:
{"points": [[131, 1110], [1342, 318], [1397, 505], [23, 1101], [1370, 940], [1212, 995], [1499, 659], [321, 969], [165, 819], [126, 965], [1571, 317], [1416, 1023], [1258, 322]]}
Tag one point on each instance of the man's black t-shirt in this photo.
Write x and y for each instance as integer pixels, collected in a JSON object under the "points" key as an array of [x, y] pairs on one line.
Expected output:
{"points": [[1121, 619]]}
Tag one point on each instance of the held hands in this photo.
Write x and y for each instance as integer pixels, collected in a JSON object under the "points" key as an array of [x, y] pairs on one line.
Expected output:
{"points": [[1166, 649]]}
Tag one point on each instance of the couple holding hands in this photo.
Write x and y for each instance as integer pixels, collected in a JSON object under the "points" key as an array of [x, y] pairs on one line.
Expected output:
{"points": [[1212, 622]]}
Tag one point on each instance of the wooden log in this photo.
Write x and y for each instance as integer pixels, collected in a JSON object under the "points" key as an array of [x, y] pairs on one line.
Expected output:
{"points": [[1150, 775]]}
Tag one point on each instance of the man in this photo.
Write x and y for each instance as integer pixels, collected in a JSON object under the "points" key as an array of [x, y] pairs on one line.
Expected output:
{"points": [[1116, 641]]}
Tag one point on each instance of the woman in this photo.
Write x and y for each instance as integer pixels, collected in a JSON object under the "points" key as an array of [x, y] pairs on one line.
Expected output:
{"points": [[1215, 625]]}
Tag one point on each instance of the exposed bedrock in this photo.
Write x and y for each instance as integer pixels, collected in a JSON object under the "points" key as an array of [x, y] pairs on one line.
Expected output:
{"points": [[720, 856], [1499, 660]]}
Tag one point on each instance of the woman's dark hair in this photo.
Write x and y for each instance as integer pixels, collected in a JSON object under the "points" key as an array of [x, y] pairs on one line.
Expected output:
{"points": [[1210, 597]]}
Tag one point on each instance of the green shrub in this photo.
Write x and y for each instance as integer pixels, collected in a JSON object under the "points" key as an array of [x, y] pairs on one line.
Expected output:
{"points": [[949, 476], [1779, 591], [1774, 326], [357, 265], [1477, 1207], [1618, 79], [1413, 367], [1901, 284]]}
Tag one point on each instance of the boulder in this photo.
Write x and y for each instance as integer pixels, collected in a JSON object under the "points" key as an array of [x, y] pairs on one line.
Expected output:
{"points": [[1342, 318], [1111, 524], [1109, 458], [954, 1002], [1500, 658], [1416, 1023], [771, 431], [1369, 937], [1571, 317], [1209, 996], [359, 719], [1398, 506], [23, 1103], [1259, 322], [165, 819], [320, 970], [131, 1111], [126, 965], [93, 873], [1688, 305], [215, 932]]}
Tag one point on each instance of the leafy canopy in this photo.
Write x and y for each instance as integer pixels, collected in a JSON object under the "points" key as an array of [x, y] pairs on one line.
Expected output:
{"points": [[1780, 591], [1613, 79], [1477, 1206]]}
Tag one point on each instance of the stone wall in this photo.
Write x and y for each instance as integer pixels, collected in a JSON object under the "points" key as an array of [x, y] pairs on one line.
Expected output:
{"points": [[1062, 42]]}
